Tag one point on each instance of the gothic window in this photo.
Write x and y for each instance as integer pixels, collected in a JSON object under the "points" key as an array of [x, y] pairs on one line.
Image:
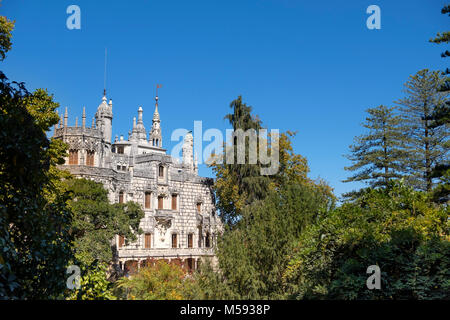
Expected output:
{"points": [[157, 142], [200, 237], [161, 171], [208, 240], [190, 240], [148, 241], [121, 241], [90, 158], [148, 200], [174, 240], [120, 197], [174, 202], [73, 156], [160, 202]]}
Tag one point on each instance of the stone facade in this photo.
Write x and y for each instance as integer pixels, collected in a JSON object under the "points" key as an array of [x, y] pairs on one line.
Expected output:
{"points": [[180, 222]]}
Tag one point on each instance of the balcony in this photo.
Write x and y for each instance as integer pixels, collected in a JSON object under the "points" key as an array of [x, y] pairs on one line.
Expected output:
{"points": [[165, 252]]}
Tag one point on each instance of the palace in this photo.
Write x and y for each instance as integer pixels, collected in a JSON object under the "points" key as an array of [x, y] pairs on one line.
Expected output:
{"points": [[180, 223]]}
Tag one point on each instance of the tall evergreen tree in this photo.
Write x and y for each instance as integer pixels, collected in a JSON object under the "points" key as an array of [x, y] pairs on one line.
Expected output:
{"points": [[238, 185], [441, 117], [425, 143], [376, 154]]}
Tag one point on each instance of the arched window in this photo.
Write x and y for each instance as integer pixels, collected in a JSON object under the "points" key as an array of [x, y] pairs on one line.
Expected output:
{"points": [[208, 240], [73, 156], [121, 197], [148, 241], [147, 204], [90, 158], [160, 202], [157, 142], [174, 240], [161, 171], [200, 236], [190, 240], [174, 202]]}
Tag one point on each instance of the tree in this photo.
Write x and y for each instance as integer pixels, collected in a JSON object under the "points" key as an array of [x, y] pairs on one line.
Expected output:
{"points": [[161, 281], [253, 256], [396, 228], [441, 117], [425, 144], [6, 27], [376, 155], [239, 184], [96, 222], [34, 220]]}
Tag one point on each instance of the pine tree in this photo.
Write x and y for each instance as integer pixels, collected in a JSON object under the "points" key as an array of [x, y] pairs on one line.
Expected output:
{"points": [[376, 155], [441, 117], [425, 143], [237, 185]]}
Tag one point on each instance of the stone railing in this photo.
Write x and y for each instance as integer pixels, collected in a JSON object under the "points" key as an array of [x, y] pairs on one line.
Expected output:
{"points": [[165, 252]]}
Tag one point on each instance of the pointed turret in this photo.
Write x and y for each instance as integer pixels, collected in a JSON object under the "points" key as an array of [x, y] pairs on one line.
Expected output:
{"points": [[155, 133], [104, 118]]}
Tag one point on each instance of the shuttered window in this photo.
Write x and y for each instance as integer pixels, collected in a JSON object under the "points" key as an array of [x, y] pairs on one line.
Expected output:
{"points": [[174, 240], [208, 240], [190, 240], [147, 200], [90, 158], [160, 202], [174, 202], [148, 240], [73, 156]]}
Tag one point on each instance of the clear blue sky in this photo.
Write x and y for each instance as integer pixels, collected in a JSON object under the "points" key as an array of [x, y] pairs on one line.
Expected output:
{"points": [[310, 66]]}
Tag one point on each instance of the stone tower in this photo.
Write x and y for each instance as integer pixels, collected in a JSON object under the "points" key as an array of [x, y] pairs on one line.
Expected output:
{"points": [[188, 151], [104, 118]]}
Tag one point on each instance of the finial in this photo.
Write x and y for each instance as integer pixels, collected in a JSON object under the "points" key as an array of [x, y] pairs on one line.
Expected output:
{"points": [[83, 122], [66, 115], [93, 123], [76, 122]]}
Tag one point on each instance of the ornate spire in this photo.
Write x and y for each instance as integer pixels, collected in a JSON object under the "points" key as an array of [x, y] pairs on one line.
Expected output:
{"points": [[83, 121], [155, 133], [66, 115]]}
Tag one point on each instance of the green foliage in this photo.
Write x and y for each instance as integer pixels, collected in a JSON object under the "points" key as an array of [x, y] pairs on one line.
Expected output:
{"points": [[236, 184], [34, 226], [443, 37], [93, 282], [161, 281], [425, 144], [376, 155], [254, 254], [396, 228], [96, 221], [6, 27]]}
